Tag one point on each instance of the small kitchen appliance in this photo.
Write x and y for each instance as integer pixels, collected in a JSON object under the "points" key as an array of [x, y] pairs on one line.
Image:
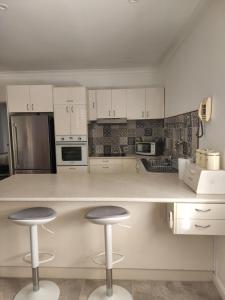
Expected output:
{"points": [[150, 148]]}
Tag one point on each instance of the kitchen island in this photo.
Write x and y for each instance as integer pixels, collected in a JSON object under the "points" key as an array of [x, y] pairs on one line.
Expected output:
{"points": [[151, 249]]}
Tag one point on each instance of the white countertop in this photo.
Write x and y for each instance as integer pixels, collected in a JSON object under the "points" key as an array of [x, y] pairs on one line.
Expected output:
{"points": [[147, 187]]}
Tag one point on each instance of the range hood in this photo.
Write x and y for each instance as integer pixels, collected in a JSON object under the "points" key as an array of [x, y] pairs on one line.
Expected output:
{"points": [[112, 121]]}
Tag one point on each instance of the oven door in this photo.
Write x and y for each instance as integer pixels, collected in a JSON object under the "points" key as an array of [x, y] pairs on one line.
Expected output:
{"points": [[71, 154]]}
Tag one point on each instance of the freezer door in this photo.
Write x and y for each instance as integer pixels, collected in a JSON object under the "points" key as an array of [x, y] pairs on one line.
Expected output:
{"points": [[30, 139]]}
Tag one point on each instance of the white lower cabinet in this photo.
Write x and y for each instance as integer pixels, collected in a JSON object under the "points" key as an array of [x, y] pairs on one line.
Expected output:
{"points": [[196, 218], [112, 165], [72, 169]]}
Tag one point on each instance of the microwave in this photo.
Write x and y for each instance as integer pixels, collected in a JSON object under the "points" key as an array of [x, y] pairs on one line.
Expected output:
{"points": [[71, 151], [150, 148]]}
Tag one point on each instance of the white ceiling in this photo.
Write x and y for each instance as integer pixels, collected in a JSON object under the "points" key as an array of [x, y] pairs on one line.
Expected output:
{"points": [[81, 34]]}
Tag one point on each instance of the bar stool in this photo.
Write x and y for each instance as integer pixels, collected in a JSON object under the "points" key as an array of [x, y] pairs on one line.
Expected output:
{"points": [[107, 216], [32, 217]]}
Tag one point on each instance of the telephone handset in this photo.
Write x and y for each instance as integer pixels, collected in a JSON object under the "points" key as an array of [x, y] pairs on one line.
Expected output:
{"points": [[205, 109]]}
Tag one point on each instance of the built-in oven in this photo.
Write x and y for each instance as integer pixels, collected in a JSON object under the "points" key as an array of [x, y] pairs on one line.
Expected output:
{"points": [[71, 151]]}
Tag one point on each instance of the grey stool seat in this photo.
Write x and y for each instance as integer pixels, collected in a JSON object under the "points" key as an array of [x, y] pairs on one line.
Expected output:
{"points": [[107, 215], [33, 215]]}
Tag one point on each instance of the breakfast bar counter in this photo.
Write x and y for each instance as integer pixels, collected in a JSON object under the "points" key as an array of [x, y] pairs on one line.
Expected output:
{"points": [[147, 187]]}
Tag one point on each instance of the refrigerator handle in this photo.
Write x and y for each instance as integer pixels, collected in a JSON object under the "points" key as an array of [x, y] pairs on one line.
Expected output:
{"points": [[15, 140]]}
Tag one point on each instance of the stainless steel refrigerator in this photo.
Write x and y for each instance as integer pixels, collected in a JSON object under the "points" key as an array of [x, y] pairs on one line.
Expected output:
{"points": [[33, 146]]}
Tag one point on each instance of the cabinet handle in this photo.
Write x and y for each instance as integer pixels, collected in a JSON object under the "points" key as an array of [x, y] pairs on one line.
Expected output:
{"points": [[147, 114], [143, 114], [201, 226], [171, 219], [72, 109], [109, 112], [93, 105], [27, 106], [67, 110], [32, 106], [203, 210], [105, 167]]}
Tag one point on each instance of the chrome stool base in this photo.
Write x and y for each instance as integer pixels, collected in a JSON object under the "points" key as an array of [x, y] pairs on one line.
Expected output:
{"points": [[119, 293], [48, 290]]}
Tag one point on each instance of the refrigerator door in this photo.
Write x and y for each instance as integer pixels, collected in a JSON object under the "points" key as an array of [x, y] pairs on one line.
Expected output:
{"points": [[31, 145]]}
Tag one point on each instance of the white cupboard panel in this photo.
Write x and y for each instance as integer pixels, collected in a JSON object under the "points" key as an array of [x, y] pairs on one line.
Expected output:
{"points": [[92, 112], [41, 98], [78, 119], [104, 103], [154, 103], [119, 109], [78, 95], [62, 119], [61, 95], [135, 104], [18, 98]]}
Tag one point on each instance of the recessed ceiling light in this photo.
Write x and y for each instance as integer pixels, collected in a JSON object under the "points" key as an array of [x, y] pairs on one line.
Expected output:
{"points": [[132, 1], [3, 6]]}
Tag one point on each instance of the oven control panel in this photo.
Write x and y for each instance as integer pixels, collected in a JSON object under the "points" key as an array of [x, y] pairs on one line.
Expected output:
{"points": [[71, 138]]}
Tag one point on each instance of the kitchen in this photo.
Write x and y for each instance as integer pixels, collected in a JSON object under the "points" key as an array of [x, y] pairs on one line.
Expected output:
{"points": [[114, 131]]}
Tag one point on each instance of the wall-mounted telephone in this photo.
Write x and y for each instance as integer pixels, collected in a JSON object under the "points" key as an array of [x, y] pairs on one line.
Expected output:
{"points": [[205, 109]]}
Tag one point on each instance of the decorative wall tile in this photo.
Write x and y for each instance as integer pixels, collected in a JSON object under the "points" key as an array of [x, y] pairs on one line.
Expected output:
{"points": [[106, 130], [132, 132], [123, 140], [99, 149], [131, 140], [148, 131], [107, 149], [123, 131]]}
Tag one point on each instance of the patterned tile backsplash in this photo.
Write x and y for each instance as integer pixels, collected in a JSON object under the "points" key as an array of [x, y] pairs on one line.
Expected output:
{"points": [[179, 134]]}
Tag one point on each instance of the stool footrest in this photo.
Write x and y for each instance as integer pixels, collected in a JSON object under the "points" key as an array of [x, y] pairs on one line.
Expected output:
{"points": [[49, 257], [97, 258]]}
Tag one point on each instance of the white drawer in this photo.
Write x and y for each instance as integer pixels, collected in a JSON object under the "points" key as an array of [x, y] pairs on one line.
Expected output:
{"points": [[72, 169], [200, 211], [200, 227], [103, 161], [105, 168]]}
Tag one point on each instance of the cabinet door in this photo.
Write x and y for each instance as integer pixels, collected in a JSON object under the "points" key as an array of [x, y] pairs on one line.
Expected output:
{"points": [[41, 98], [18, 98], [78, 95], [92, 112], [135, 104], [78, 119], [61, 95], [155, 103], [62, 119], [119, 109], [104, 104]]}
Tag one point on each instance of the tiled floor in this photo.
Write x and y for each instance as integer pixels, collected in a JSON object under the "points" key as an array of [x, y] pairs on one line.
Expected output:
{"points": [[75, 289]]}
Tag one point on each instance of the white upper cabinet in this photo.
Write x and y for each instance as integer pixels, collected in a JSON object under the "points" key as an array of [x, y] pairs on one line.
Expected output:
{"points": [[70, 95], [119, 109], [18, 98], [41, 98], [154, 103], [92, 111], [30, 98], [70, 111], [104, 104], [135, 104]]}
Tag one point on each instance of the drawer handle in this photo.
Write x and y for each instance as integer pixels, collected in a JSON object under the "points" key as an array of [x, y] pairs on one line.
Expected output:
{"points": [[200, 226], [105, 167], [203, 210]]}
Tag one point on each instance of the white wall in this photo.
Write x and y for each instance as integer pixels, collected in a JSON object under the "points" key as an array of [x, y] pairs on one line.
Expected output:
{"points": [[196, 70]]}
